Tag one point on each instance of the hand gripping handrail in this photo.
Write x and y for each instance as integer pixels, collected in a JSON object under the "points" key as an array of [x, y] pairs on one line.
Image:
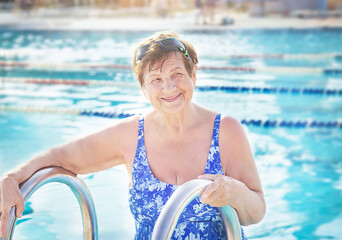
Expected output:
{"points": [[77, 186], [184, 194]]}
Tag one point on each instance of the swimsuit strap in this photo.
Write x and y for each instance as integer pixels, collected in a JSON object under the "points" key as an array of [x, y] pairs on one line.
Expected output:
{"points": [[140, 154], [214, 161], [215, 139], [141, 126]]}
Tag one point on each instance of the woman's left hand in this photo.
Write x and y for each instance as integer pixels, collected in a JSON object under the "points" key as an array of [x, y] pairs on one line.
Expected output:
{"points": [[221, 192]]}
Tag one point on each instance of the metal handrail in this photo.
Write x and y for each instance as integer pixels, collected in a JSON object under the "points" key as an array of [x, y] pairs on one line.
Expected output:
{"points": [[77, 186], [169, 216]]}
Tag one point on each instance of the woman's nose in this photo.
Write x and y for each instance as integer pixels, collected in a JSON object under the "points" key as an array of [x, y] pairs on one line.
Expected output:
{"points": [[169, 84]]}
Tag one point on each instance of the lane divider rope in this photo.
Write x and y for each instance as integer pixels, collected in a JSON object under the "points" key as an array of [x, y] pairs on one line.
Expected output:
{"points": [[252, 122], [308, 56], [40, 65], [80, 66], [273, 90], [28, 52], [231, 89], [82, 82]]}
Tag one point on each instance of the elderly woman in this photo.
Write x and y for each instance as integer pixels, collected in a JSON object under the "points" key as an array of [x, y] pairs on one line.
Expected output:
{"points": [[175, 142]]}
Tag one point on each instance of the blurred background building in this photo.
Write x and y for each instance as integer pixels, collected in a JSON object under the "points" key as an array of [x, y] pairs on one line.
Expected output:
{"points": [[286, 7], [298, 8]]}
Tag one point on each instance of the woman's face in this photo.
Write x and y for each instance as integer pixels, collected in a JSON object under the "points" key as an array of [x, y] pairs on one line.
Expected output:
{"points": [[168, 86]]}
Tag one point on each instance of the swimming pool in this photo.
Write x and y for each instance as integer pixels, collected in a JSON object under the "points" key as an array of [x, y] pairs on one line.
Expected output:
{"points": [[300, 168]]}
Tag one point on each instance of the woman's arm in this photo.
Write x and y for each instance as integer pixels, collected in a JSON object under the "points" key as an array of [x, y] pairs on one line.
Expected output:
{"points": [[93, 153], [240, 187]]}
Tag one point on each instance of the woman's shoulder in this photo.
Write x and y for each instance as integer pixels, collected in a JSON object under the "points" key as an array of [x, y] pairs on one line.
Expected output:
{"points": [[123, 134], [129, 121], [122, 130], [126, 125], [230, 123], [227, 123], [232, 131]]}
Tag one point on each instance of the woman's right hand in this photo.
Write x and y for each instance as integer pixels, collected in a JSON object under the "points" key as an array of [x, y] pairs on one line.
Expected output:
{"points": [[10, 196]]}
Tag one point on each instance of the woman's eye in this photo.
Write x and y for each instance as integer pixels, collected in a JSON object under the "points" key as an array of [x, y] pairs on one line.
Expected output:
{"points": [[177, 74]]}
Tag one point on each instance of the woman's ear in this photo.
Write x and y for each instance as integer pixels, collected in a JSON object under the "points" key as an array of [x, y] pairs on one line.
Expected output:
{"points": [[143, 90], [194, 78]]}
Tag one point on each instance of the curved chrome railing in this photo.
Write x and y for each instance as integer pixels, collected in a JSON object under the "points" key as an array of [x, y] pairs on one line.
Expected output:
{"points": [[77, 186], [168, 217]]}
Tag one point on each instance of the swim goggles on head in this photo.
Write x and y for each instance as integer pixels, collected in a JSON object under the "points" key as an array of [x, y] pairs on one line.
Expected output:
{"points": [[166, 44]]}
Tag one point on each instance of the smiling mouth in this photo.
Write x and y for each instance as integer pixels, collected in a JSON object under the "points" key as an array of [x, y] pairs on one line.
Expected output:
{"points": [[171, 99]]}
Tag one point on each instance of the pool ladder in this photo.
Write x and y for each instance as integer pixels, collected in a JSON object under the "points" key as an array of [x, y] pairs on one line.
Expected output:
{"points": [[164, 226], [77, 186]]}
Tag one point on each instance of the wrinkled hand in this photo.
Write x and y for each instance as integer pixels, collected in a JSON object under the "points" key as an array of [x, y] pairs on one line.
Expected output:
{"points": [[221, 192], [10, 196]]}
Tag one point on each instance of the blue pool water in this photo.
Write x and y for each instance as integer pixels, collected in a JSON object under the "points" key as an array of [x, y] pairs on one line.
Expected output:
{"points": [[301, 169]]}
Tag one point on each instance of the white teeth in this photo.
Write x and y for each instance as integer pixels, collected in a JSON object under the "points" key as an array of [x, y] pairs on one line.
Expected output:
{"points": [[171, 98]]}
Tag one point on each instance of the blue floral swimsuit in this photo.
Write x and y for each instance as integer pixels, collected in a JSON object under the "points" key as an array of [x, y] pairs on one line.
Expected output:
{"points": [[148, 195]]}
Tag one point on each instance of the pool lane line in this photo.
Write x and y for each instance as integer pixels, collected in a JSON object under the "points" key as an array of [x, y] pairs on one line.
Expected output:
{"points": [[293, 124], [273, 90], [81, 66], [40, 109], [309, 123], [61, 66], [285, 56], [307, 56], [80, 82], [277, 70], [230, 89]]}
